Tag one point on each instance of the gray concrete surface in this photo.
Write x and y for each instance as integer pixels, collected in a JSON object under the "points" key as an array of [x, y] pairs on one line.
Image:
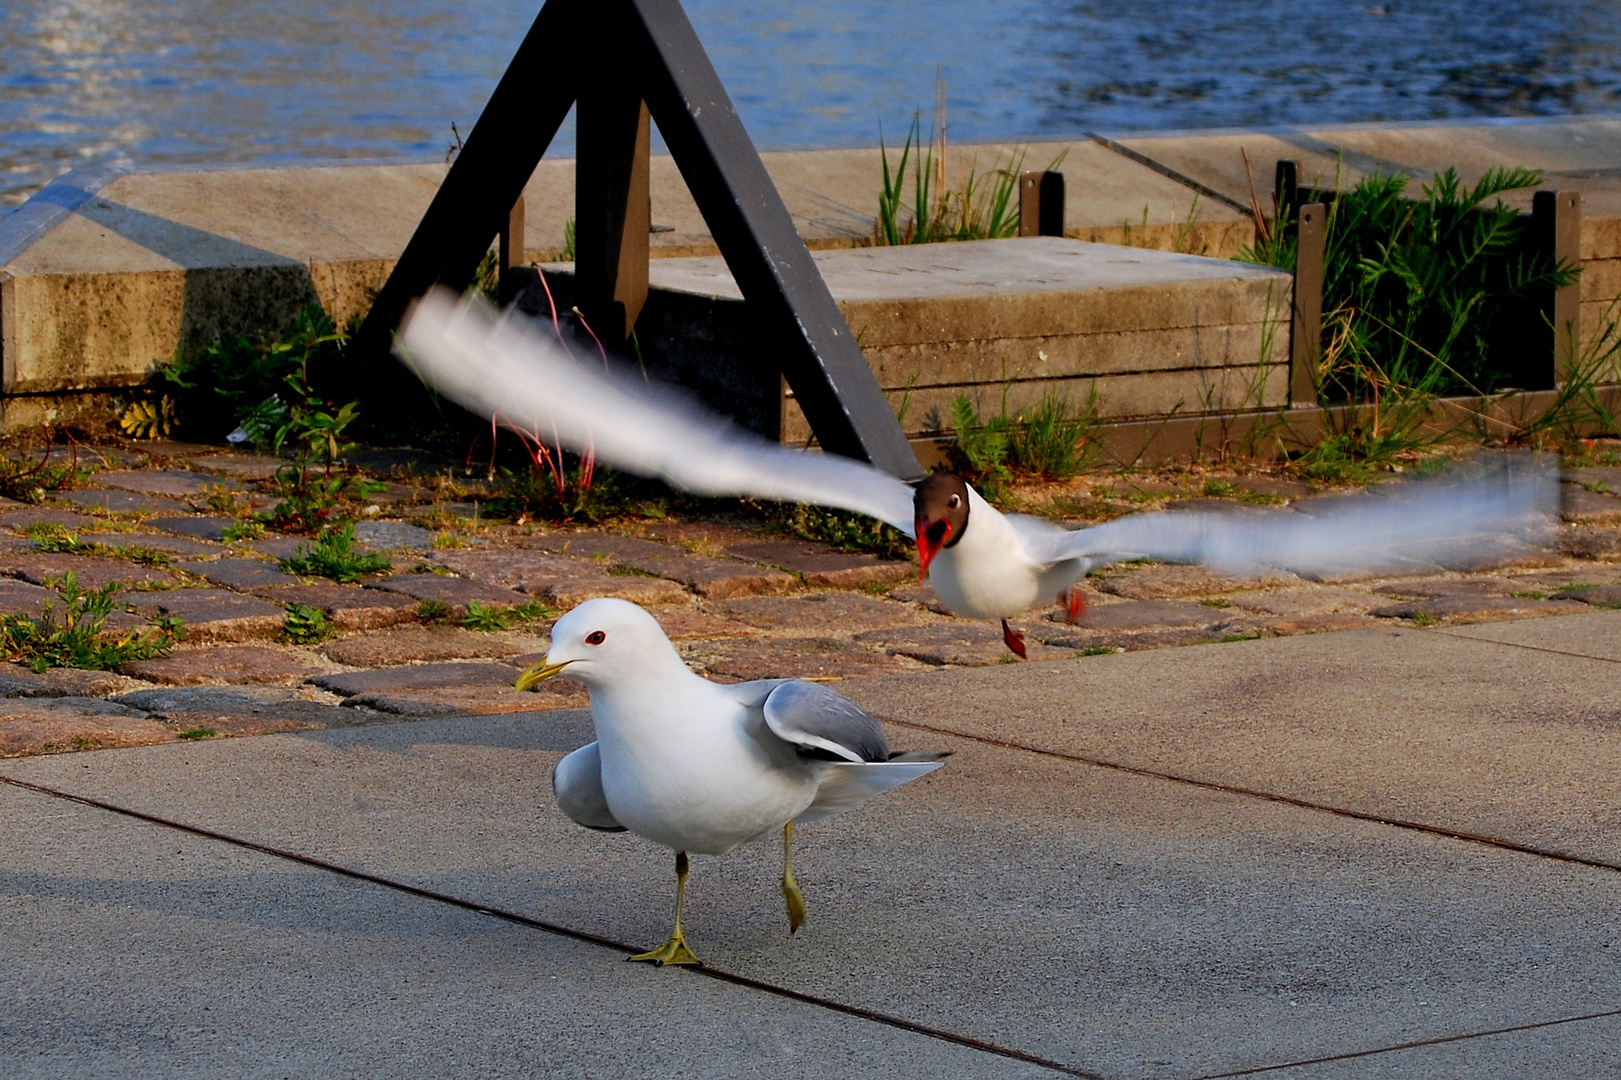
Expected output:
{"points": [[1435, 727], [135, 951], [1121, 924]]}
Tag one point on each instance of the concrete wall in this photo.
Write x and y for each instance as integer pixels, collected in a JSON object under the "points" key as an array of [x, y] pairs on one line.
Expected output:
{"points": [[1131, 332]]}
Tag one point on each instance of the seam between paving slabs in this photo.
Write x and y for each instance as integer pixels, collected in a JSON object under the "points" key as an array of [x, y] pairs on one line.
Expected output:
{"points": [[1415, 1044], [856, 1011], [745, 981], [1268, 796], [1532, 648]]}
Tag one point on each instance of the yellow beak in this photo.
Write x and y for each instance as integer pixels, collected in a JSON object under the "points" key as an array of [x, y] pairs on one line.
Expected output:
{"points": [[539, 673]]}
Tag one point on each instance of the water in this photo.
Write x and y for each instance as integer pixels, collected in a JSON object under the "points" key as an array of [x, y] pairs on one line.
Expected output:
{"points": [[155, 82]]}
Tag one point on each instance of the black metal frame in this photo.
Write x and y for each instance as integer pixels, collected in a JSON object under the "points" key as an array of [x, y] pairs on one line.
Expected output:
{"points": [[612, 54]]}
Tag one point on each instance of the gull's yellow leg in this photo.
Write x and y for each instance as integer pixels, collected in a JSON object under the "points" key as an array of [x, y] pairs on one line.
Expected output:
{"points": [[675, 950], [790, 887]]}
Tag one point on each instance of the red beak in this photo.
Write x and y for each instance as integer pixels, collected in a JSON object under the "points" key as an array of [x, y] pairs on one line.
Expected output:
{"points": [[931, 537]]}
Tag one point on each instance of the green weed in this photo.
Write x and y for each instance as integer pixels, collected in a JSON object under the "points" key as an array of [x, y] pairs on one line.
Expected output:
{"points": [[984, 208], [27, 480], [306, 625], [79, 639], [331, 555], [487, 619], [1047, 440], [841, 529], [434, 611], [241, 531], [196, 733]]}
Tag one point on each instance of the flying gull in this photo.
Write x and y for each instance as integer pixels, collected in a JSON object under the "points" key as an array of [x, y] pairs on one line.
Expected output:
{"points": [[982, 562]]}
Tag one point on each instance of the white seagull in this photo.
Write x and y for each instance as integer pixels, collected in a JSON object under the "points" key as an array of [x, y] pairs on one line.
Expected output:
{"points": [[982, 563], [702, 767]]}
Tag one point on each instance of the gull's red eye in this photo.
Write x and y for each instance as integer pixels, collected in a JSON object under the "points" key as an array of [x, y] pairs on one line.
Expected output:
{"points": [[595, 637]]}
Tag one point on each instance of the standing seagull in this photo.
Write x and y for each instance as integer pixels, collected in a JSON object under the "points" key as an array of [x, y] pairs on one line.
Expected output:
{"points": [[701, 767], [982, 563]]}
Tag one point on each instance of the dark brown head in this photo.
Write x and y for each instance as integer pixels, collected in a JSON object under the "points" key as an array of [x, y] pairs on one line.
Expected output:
{"points": [[940, 513]]}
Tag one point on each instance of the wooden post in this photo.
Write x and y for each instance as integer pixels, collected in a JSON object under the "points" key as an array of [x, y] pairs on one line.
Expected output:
{"points": [[613, 209], [1306, 333], [1041, 203], [1556, 216], [1285, 191], [511, 249]]}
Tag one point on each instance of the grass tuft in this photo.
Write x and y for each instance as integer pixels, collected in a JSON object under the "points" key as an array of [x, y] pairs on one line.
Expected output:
{"points": [[331, 555]]}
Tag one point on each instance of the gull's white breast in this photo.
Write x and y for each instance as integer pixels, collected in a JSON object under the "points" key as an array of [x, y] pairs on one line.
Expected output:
{"points": [[986, 574], [688, 766]]}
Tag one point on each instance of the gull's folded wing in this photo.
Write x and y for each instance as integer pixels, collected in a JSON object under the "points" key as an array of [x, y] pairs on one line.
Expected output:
{"points": [[577, 783], [506, 368], [1482, 513], [814, 720]]}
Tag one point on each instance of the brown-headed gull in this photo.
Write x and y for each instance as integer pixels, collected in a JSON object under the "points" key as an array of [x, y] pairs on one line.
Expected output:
{"points": [[982, 562]]}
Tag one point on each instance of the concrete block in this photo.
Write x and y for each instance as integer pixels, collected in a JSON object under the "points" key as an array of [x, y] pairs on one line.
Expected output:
{"points": [[1149, 331], [105, 276]]}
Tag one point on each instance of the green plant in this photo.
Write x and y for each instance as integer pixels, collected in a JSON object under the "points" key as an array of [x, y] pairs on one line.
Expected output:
{"points": [[196, 733], [561, 487], [306, 625], [240, 531], [54, 539], [29, 481], [239, 382], [433, 611], [1046, 440], [149, 418], [935, 213], [841, 529], [80, 638], [483, 617], [331, 555]]}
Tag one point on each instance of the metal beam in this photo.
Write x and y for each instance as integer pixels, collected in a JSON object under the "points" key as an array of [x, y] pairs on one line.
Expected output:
{"points": [[486, 178], [802, 329]]}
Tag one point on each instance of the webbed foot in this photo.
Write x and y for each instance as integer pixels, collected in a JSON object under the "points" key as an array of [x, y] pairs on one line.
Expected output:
{"points": [[674, 951], [1014, 640]]}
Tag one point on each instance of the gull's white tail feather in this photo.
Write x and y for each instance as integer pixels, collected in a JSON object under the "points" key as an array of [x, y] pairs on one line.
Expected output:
{"points": [[506, 368]]}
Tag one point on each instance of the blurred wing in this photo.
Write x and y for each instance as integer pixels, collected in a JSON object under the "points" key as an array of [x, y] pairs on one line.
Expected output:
{"points": [[504, 367], [1485, 514]]}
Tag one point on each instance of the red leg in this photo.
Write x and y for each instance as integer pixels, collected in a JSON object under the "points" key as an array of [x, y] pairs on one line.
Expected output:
{"points": [[1014, 639], [1077, 605]]}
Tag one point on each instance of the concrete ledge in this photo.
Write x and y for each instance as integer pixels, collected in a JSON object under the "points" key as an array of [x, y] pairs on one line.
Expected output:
{"points": [[1003, 321]]}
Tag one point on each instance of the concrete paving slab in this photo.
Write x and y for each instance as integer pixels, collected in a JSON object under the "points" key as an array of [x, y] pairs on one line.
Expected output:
{"points": [[1120, 924], [1216, 159], [144, 952], [1410, 725], [1539, 1051], [1597, 634]]}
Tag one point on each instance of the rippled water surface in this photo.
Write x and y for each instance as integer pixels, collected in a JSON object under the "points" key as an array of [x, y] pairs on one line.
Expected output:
{"points": [[185, 81]]}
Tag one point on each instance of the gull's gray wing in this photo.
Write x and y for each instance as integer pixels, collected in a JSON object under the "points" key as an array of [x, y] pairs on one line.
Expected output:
{"points": [[1507, 503], [508, 369], [821, 723], [577, 783]]}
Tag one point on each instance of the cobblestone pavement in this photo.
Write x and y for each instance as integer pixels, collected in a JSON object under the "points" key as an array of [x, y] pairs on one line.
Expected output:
{"points": [[740, 602]]}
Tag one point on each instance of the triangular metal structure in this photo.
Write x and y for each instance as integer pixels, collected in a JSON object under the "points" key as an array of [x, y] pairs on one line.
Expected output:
{"points": [[624, 60]]}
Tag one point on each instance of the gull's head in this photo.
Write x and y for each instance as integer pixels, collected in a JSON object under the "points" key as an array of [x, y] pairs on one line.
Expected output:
{"points": [[940, 514], [601, 642]]}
